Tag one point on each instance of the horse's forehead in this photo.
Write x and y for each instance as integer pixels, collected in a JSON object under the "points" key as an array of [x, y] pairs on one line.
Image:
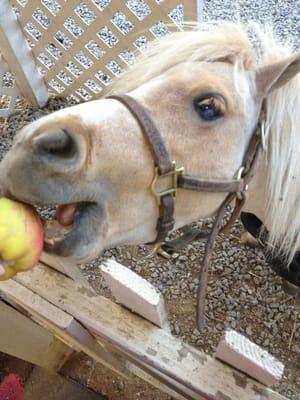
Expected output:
{"points": [[198, 72], [188, 78], [191, 78]]}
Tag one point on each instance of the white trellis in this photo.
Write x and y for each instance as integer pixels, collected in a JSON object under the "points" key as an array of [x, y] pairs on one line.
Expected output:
{"points": [[75, 48]]}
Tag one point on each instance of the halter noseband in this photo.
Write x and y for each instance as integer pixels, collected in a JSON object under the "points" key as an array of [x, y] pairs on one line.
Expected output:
{"points": [[166, 168]]}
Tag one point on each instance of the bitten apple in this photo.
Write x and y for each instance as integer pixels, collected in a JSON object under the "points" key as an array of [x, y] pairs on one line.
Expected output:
{"points": [[21, 237]]}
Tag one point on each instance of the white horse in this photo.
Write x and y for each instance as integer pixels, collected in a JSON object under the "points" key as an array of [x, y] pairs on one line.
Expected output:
{"points": [[204, 90]]}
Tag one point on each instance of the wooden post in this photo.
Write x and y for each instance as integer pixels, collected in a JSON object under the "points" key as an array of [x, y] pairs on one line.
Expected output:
{"points": [[18, 56], [23, 338], [62, 325]]}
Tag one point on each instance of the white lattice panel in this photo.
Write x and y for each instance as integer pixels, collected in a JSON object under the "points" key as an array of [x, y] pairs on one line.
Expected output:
{"points": [[80, 46], [18, 71]]}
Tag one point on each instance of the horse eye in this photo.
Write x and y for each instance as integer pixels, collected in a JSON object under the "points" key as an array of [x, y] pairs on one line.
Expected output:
{"points": [[208, 108]]}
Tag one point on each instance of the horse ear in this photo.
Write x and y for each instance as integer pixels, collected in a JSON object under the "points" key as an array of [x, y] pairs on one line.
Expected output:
{"points": [[273, 76]]}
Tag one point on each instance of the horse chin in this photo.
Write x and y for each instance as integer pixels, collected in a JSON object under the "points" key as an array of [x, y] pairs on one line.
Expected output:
{"points": [[82, 240]]}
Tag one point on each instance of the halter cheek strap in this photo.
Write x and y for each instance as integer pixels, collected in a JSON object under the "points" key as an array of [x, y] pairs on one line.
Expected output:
{"points": [[163, 165], [166, 170]]}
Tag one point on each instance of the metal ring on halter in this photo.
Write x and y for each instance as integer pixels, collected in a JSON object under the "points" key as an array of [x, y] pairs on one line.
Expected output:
{"points": [[262, 132], [155, 249], [239, 195], [239, 173]]}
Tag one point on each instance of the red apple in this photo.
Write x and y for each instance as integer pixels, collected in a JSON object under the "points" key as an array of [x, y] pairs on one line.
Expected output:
{"points": [[21, 237]]}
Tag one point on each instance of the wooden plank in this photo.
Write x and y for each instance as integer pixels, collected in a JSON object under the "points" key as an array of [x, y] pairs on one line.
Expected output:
{"points": [[152, 376], [41, 309], [135, 293], [160, 380], [62, 325], [144, 342], [23, 338], [72, 270], [18, 56], [35, 304], [46, 385], [155, 382]]}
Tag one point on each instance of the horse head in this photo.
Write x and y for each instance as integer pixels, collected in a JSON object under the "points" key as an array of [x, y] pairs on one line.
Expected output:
{"points": [[204, 91]]}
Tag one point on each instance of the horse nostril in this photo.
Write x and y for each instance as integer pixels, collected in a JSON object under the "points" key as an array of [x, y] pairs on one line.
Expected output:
{"points": [[57, 144]]}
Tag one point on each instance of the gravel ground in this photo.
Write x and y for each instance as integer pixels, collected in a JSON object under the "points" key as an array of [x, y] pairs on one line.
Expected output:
{"points": [[243, 293], [284, 15]]}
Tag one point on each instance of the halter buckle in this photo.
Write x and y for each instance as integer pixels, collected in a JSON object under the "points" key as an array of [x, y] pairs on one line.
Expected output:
{"points": [[173, 174]]}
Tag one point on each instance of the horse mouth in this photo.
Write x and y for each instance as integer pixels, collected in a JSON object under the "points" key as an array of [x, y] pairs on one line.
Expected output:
{"points": [[68, 227]]}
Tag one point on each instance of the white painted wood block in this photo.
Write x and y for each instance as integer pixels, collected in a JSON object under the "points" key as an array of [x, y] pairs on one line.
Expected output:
{"points": [[238, 351], [135, 293]]}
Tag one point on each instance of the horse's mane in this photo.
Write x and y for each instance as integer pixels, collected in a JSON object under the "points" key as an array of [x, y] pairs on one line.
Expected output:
{"points": [[231, 42], [205, 42]]}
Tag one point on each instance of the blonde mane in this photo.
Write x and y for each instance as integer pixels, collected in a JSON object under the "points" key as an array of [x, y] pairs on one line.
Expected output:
{"points": [[204, 42], [230, 42], [282, 190]]}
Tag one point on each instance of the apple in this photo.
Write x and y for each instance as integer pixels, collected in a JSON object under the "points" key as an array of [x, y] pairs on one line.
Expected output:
{"points": [[21, 237]]}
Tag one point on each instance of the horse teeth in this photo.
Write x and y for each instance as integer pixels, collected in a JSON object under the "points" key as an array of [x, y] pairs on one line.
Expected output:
{"points": [[49, 241], [54, 232]]}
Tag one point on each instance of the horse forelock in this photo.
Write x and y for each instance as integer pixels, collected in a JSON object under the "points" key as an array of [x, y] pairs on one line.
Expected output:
{"points": [[208, 42]]}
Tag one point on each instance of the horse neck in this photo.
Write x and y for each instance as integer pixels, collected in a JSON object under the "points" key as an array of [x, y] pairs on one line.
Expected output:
{"points": [[275, 193]]}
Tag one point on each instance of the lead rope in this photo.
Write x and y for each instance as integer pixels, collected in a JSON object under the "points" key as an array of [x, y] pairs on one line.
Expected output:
{"points": [[203, 274]]}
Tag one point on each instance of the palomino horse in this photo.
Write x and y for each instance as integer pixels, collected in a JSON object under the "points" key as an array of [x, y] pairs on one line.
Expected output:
{"points": [[204, 91]]}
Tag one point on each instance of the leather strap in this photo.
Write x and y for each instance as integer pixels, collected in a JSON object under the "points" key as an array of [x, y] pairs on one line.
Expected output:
{"points": [[191, 234], [165, 222], [160, 153], [213, 185]]}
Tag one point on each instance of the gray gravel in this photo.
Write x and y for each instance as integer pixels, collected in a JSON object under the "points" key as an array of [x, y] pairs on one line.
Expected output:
{"points": [[284, 15]]}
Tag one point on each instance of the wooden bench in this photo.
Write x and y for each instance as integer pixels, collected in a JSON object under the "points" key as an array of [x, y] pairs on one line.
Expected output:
{"points": [[55, 316]]}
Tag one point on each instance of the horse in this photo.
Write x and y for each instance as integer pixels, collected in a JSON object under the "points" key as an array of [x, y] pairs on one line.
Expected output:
{"points": [[204, 89]]}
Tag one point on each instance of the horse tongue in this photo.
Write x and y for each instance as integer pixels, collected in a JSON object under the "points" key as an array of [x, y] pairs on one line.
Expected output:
{"points": [[65, 214]]}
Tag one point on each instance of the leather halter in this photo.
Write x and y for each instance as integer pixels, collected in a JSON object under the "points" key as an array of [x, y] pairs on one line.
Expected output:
{"points": [[166, 168]]}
